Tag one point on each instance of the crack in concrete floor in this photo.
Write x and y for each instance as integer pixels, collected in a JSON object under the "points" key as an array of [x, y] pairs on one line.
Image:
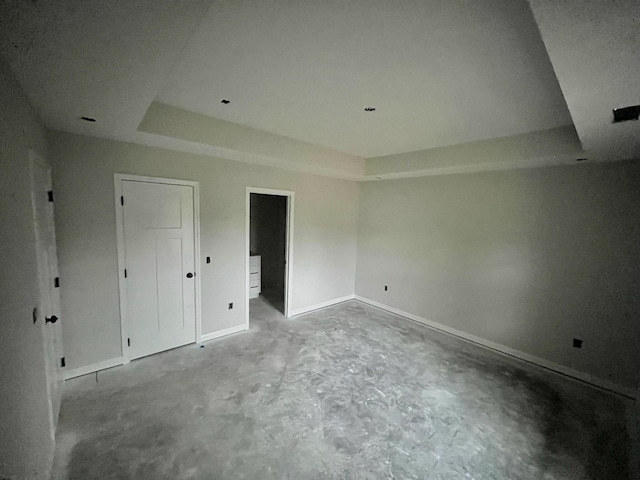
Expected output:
{"points": [[346, 392]]}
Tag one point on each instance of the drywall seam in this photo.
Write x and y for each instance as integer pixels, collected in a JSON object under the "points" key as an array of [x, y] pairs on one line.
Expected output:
{"points": [[93, 367], [318, 306], [537, 361]]}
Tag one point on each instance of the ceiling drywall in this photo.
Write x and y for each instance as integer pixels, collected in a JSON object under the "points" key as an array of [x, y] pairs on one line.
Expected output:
{"points": [[95, 58], [595, 49], [438, 72], [442, 74]]}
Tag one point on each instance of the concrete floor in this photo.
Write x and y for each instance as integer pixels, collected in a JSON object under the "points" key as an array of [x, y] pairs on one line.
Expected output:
{"points": [[273, 296], [347, 392]]}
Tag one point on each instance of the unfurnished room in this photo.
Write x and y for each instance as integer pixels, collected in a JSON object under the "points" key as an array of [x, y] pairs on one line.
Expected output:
{"points": [[320, 239]]}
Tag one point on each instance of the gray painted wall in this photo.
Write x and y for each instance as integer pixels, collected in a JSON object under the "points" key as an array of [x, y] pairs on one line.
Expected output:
{"points": [[528, 259], [268, 238], [324, 247], [26, 444]]}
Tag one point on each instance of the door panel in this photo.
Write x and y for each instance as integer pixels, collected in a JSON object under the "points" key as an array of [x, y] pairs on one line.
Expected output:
{"points": [[170, 279], [159, 253]]}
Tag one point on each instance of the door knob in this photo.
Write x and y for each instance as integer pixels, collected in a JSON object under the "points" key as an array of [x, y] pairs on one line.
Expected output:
{"points": [[51, 319], [189, 275]]}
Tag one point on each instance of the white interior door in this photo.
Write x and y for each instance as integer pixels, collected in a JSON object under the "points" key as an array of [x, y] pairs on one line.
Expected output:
{"points": [[159, 261], [49, 295]]}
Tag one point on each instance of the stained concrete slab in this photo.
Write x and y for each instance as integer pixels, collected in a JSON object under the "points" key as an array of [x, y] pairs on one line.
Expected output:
{"points": [[347, 392]]}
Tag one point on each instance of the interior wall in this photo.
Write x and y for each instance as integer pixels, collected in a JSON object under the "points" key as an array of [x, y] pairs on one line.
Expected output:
{"points": [[26, 443], [324, 248], [528, 259], [268, 234]]}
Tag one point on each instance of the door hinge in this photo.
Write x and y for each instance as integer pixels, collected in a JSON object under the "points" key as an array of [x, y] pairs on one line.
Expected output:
{"points": [[121, 200], [125, 273], [128, 342], [63, 363], [50, 194], [56, 282]]}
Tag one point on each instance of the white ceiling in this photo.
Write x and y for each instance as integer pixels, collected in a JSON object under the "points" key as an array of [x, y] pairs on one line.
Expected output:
{"points": [[95, 58], [595, 49], [439, 72]]}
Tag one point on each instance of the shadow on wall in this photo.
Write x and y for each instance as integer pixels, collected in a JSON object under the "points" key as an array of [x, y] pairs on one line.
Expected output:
{"points": [[583, 262], [528, 259]]}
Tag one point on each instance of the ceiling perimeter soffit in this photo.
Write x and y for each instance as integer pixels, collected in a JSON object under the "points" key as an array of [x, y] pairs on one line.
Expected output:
{"points": [[259, 145], [555, 146], [438, 73], [324, 85], [594, 46]]}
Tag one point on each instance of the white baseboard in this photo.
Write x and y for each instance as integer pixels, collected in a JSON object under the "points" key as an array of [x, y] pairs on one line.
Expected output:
{"points": [[94, 367], [540, 362], [222, 333], [318, 306], [114, 362]]}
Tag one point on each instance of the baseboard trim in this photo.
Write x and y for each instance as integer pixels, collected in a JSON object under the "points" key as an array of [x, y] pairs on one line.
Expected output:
{"points": [[222, 333], [92, 368], [537, 361], [318, 306]]}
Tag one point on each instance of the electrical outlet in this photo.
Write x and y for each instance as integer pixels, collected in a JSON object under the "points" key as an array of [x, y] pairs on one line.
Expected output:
{"points": [[385, 288], [577, 343], [208, 259], [231, 306]]}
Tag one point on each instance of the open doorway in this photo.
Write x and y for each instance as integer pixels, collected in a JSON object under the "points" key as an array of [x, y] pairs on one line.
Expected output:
{"points": [[268, 247]]}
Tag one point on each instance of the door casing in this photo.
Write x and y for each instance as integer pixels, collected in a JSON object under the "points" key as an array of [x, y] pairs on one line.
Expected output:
{"points": [[49, 295], [124, 321]]}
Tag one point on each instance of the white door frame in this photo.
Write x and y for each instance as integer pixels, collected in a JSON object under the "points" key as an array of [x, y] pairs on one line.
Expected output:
{"points": [[47, 295], [288, 274], [118, 178]]}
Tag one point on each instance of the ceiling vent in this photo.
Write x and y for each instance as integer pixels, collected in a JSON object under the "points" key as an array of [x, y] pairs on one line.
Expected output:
{"points": [[626, 113]]}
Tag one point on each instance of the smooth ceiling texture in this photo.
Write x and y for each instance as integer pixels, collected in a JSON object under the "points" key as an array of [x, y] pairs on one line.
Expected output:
{"points": [[595, 49], [95, 58], [438, 73]]}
